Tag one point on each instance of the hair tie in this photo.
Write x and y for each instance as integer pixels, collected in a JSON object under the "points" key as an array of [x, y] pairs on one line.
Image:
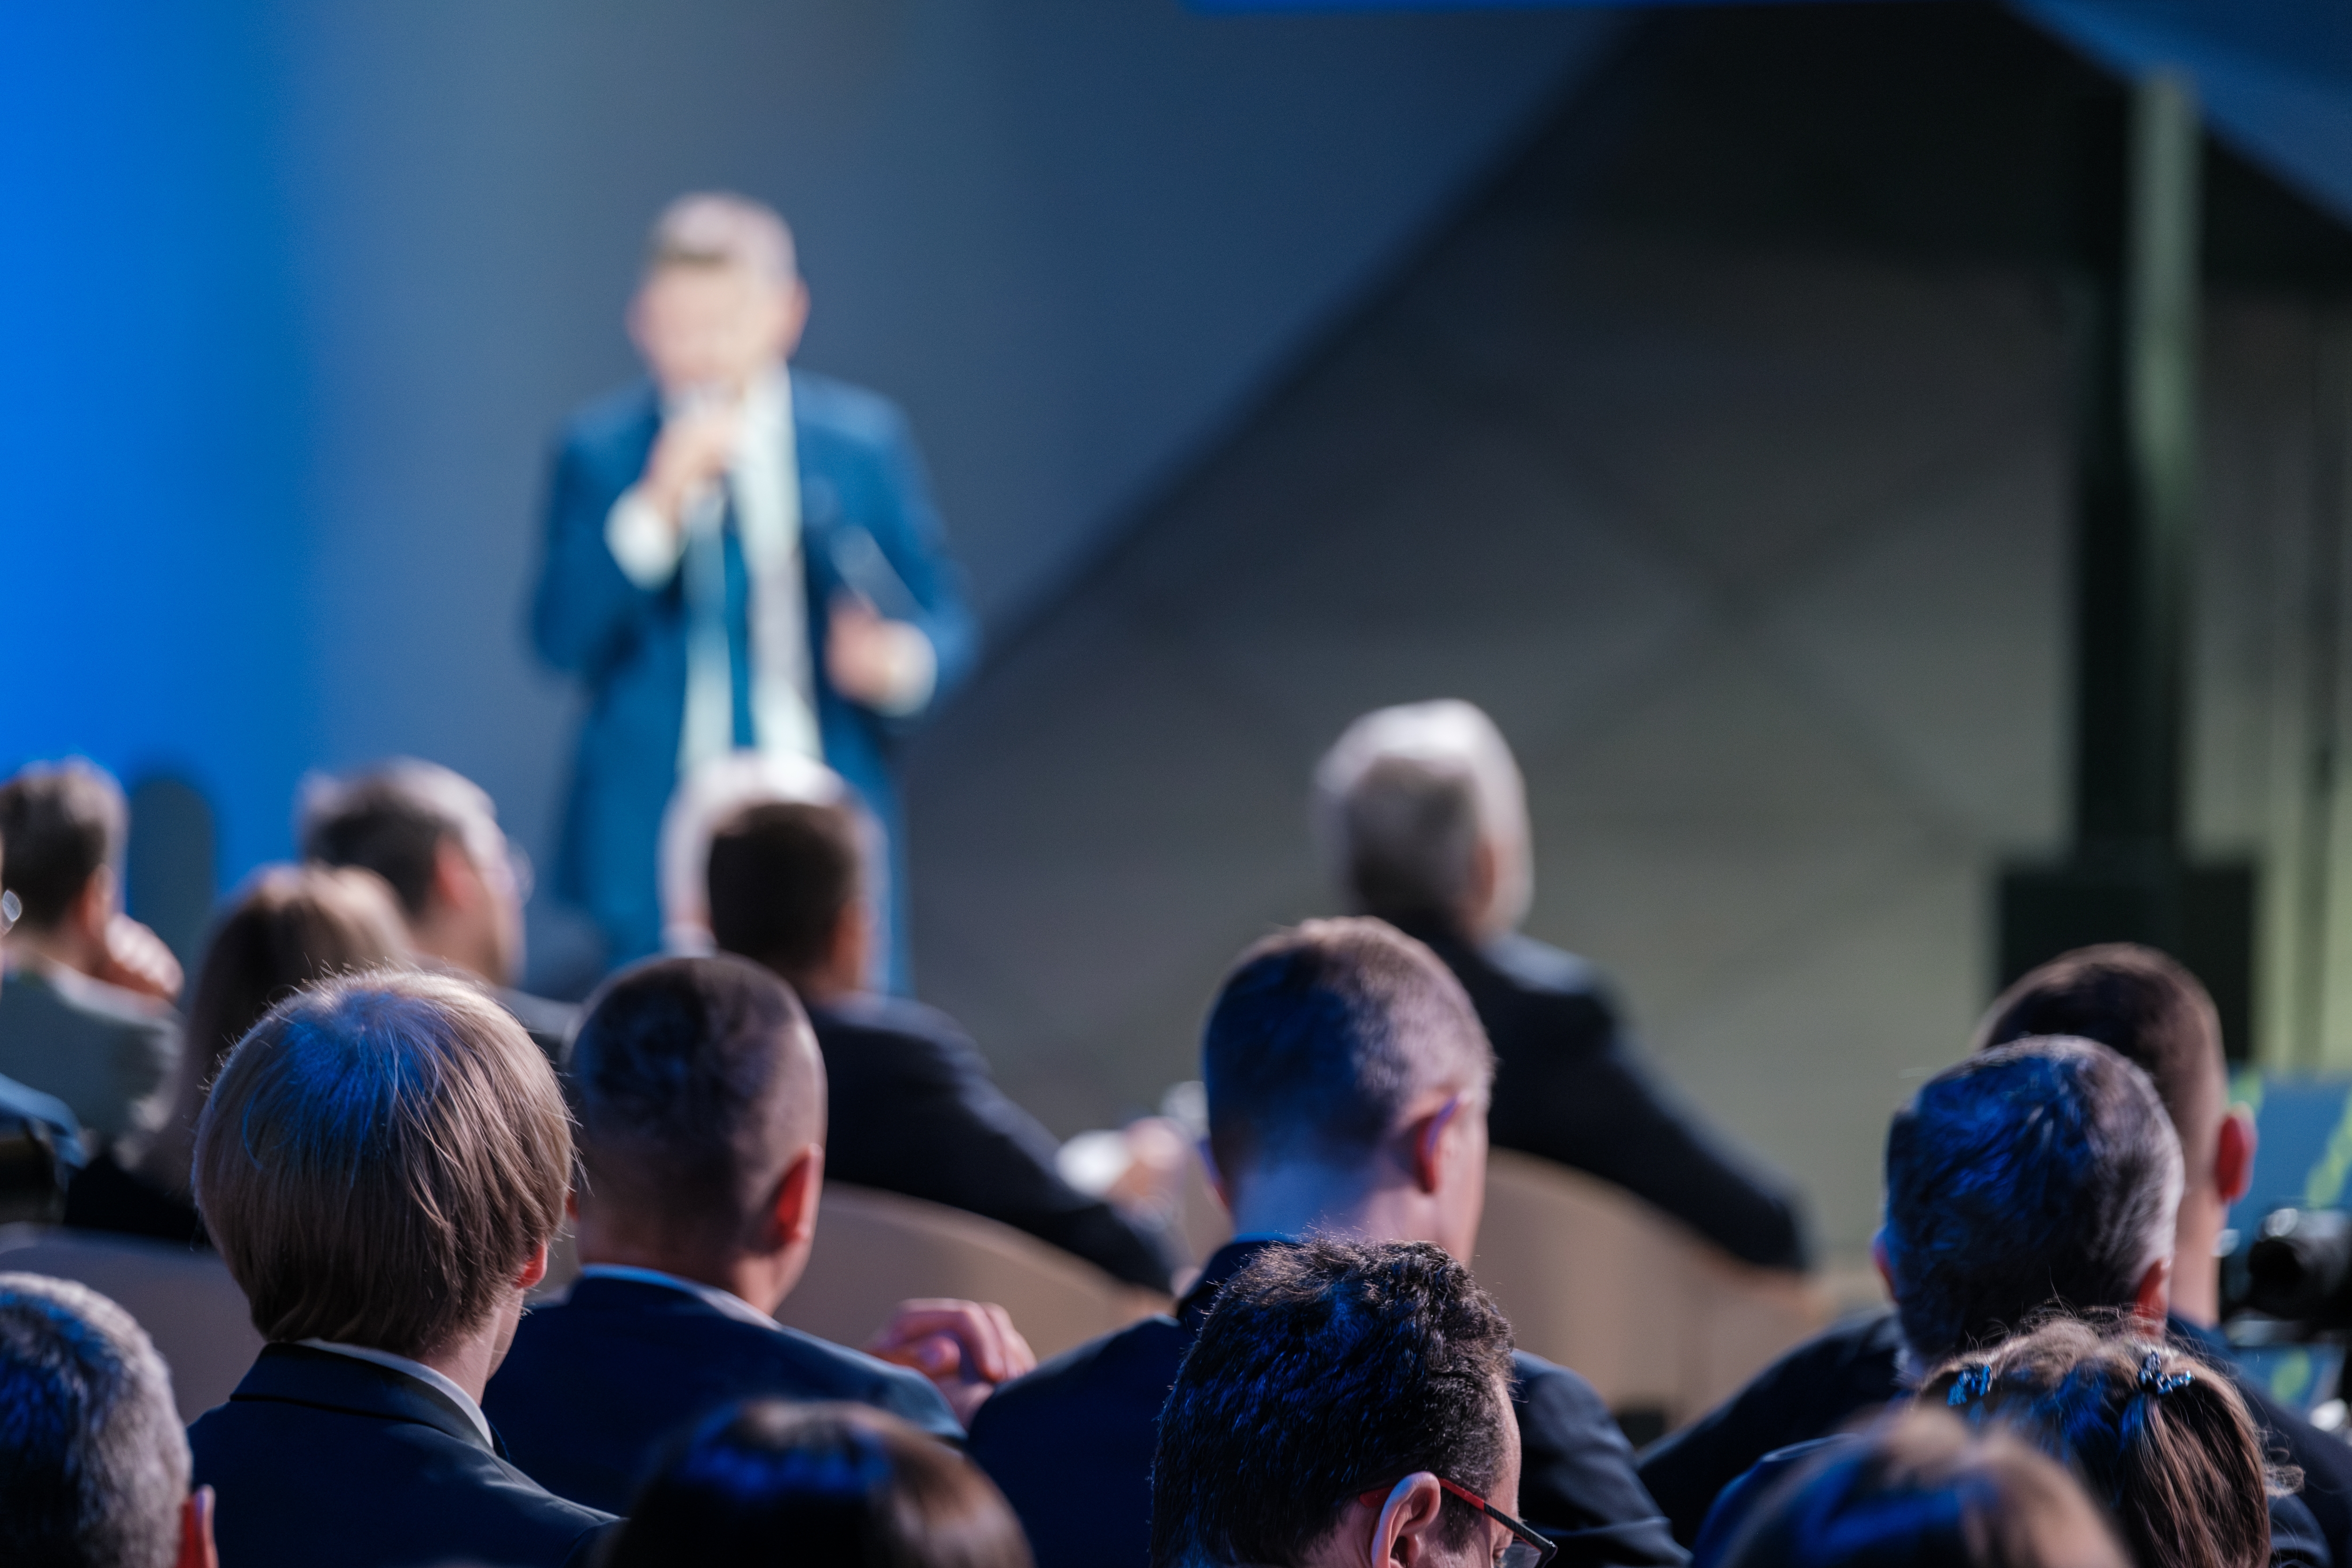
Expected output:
{"points": [[1973, 1382], [2153, 1379]]}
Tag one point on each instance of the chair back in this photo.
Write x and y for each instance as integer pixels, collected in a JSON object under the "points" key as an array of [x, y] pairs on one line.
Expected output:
{"points": [[184, 1299]]}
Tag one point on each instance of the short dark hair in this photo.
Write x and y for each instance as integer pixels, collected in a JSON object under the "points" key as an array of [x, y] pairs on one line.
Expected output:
{"points": [[93, 1460], [845, 1485], [2168, 1441], [391, 819], [2145, 1006], [2039, 1172], [690, 1078], [1324, 1369], [1321, 1034], [1917, 1492], [62, 821], [781, 873]]}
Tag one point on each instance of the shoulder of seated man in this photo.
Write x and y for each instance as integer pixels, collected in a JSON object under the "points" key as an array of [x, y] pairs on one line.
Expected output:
{"points": [[99, 998]]}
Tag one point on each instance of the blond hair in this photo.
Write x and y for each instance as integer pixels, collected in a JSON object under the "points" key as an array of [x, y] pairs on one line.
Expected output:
{"points": [[379, 1159]]}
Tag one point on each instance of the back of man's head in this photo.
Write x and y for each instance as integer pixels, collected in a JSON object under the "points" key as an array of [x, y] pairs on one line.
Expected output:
{"points": [[2144, 1006], [391, 820], [93, 1460], [1326, 1369], [62, 821], [783, 873], [1322, 1036], [379, 1160], [1402, 801], [2037, 1172], [695, 1080]]}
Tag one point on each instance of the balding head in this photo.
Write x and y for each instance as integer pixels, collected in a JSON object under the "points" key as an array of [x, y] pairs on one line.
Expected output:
{"points": [[1323, 1037], [695, 1082]]}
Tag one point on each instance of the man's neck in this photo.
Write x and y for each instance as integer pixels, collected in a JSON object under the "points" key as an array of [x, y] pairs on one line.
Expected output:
{"points": [[1302, 1199], [2196, 1272], [431, 940], [761, 1282], [60, 947]]}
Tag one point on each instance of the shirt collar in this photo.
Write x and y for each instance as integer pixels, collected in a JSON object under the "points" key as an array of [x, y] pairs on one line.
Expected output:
{"points": [[724, 1302], [431, 1378]]}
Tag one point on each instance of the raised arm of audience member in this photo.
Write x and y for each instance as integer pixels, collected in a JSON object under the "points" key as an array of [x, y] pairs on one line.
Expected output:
{"points": [[1423, 820], [2164, 1439], [700, 1101], [913, 1108], [93, 1461], [1917, 1492], [845, 1485], [85, 1013], [1346, 1081], [382, 1164], [289, 926], [2148, 1009]]}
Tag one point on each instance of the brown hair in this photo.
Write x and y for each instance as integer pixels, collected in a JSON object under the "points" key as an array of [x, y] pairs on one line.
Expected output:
{"points": [[379, 1159], [62, 822], [769, 1482], [292, 925], [2163, 1439], [781, 873], [1917, 1490], [2141, 1005]]}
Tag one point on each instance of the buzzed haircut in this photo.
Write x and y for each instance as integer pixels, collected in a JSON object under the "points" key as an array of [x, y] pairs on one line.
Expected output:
{"points": [[379, 1159], [1326, 1369], [390, 820], [93, 1460], [62, 821], [693, 1080], [2142, 1004], [781, 875], [1321, 1036], [2037, 1174], [1401, 801]]}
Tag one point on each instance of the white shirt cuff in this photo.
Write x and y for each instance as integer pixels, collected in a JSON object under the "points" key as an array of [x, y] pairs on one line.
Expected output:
{"points": [[914, 672], [644, 543]]}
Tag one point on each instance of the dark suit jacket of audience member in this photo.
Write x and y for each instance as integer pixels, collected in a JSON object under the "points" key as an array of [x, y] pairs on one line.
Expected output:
{"points": [[1854, 1368], [595, 1383], [318, 1458], [914, 1111], [1568, 1087], [108, 1195], [1071, 1445]]}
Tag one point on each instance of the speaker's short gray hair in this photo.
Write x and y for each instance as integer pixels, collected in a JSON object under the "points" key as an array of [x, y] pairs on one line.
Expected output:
{"points": [[1402, 800], [719, 228], [95, 1467]]}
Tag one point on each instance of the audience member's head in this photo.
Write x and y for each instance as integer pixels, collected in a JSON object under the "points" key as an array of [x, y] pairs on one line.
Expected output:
{"points": [[1341, 1394], [701, 1105], [434, 835], [290, 927], [1920, 1492], [767, 1482], [1347, 1077], [721, 301], [784, 893], [2166, 1442], [2040, 1173], [1421, 815], [382, 1162], [93, 1459], [2147, 1008], [66, 825]]}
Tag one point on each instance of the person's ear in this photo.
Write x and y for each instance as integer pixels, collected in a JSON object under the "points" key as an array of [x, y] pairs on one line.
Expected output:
{"points": [[852, 944], [1406, 1531], [794, 320], [1885, 1270], [2234, 1155], [196, 1548], [534, 1269], [94, 907], [1429, 1144], [456, 884], [2153, 1299], [1216, 1178], [792, 1217]]}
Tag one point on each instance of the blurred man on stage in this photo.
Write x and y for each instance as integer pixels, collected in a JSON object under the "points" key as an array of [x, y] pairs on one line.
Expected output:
{"points": [[740, 556]]}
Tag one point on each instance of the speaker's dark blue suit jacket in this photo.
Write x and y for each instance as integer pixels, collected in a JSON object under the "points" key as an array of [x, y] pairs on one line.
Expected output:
{"points": [[858, 470], [1071, 1447], [595, 1383], [318, 1458]]}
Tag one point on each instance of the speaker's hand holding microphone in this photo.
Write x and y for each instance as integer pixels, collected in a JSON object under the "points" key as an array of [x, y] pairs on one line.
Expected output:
{"points": [[691, 454]]}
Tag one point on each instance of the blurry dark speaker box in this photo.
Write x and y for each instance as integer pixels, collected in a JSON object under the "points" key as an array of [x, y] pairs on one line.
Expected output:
{"points": [[168, 880], [2202, 915]]}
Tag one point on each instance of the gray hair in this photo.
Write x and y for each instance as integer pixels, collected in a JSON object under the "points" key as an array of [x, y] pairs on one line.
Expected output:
{"points": [[96, 1468], [1404, 797], [719, 228]]}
